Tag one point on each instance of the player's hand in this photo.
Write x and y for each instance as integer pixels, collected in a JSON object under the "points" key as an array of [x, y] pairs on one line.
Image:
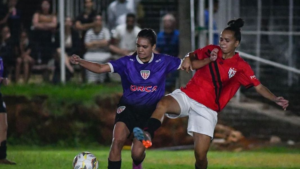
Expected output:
{"points": [[214, 54], [186, 65], [4, 81], [75, 59], [282, 102]]}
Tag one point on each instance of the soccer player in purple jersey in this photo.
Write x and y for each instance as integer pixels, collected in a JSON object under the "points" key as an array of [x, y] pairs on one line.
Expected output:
{"points": [[143, 76], [3, 119]]}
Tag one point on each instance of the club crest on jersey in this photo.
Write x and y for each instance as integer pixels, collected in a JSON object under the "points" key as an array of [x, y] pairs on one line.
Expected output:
{"points": [[120, 109], [231, 72], [145, 74]]}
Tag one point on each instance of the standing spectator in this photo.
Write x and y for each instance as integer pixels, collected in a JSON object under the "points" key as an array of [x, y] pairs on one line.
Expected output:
{"points": [[168, 43], [72, 46], [97, 42], [44, 25], [85, 20], [124, 37], [206, 15], [7, 50], [117, 11], [24, 59], [12, 17]]}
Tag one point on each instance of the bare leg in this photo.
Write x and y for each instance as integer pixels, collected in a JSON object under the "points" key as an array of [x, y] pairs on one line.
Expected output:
{"points": [[166, 105], [120, 135], [201, 146]]}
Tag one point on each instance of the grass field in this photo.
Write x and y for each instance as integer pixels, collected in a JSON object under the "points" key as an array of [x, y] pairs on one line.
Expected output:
{"points": [[49, 158]]}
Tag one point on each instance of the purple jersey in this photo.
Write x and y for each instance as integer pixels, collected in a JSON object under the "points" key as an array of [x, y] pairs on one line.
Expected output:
{"points": [[1, 67], [144, 83]]}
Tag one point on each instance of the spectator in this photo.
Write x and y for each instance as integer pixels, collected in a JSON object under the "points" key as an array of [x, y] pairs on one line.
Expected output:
{"points": [[24, 58], [7, 51], [44, 25], [85, 20], [117, 11], [72, 46], [13, 19], [124, 37], [206, 15], [97, 41], [168, 43]]}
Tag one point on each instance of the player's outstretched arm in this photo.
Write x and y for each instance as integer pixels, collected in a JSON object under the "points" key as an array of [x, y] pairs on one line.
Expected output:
{"points": [[199, 63], [265, 92], [91, 66]]}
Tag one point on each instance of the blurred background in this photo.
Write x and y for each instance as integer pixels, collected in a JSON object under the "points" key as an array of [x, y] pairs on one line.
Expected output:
{"points": [[47, 106]]}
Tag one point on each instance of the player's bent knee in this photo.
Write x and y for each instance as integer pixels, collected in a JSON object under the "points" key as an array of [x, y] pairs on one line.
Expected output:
{"points": [[117, 143]]}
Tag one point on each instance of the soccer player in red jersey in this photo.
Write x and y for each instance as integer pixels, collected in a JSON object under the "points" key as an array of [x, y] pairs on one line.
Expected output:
{"points": [[219, 73]]}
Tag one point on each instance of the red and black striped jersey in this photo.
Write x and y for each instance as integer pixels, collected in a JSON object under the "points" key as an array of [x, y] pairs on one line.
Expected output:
{"points": [[215, 84]]}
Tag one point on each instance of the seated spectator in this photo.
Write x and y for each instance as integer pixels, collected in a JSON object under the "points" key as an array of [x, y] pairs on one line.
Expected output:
{"points": [[24, 59], [168, 43], [97, 41], [72, 46], [117, 11], [124, 37], [7, 51]]}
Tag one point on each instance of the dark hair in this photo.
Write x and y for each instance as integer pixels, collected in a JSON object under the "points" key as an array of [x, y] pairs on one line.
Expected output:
{"points": [[149, 34], [206, 3], [130, 15], [41, 9], [235, 26]]}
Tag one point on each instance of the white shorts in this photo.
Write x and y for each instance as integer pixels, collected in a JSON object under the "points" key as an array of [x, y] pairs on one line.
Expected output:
{"points": [[202, 120]]}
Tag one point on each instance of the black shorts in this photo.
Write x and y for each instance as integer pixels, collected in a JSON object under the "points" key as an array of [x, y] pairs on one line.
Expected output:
{"points": [[2, 105], [133, 116]]}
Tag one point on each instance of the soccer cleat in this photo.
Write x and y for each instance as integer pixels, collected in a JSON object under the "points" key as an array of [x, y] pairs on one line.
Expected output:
{"points": [[6, 161], [143, 136]]}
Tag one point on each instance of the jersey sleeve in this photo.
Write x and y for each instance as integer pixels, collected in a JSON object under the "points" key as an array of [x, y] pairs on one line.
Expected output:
{"points": [[118, 66], [204, 52], [246, 77], [173, 64]]}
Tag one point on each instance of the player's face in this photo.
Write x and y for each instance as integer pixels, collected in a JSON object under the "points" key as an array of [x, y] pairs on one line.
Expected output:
{"points": [[144, 48], [5, 34], [227, 42], [98, 21]]}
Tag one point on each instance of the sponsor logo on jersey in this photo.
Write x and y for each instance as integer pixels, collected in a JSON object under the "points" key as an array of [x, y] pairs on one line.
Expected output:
{"points": [[158, 60], [131, 60], [147, 89], [231, 72], [253, 77], [145, 74], [121, 109]]}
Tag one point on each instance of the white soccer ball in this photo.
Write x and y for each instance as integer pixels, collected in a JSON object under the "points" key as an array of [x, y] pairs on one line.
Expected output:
{"points": [[85, 160]]}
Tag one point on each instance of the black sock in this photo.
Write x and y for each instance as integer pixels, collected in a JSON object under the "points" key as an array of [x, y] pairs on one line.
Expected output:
{"points": [[196, 167], [140, 161], [152, 125], [114, 164], [3, 150]]}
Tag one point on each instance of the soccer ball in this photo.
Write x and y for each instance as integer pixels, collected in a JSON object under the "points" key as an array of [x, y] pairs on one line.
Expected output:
{"points": [[85, 160]]}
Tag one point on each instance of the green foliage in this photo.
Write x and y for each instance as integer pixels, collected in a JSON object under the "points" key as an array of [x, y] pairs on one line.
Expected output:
{"points": [[58, 94], [49, 158]]}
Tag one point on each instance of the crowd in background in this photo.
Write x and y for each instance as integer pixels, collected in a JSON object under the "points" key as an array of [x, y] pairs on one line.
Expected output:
{"points": [[89, 35]]}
